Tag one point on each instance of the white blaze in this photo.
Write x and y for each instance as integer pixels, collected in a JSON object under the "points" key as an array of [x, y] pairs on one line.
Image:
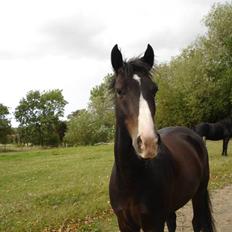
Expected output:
{"points": [[145, 120], [137, 78]]}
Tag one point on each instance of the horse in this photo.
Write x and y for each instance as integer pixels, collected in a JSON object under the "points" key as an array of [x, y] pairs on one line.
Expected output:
{"points": [[216, 131], [155, 172]]}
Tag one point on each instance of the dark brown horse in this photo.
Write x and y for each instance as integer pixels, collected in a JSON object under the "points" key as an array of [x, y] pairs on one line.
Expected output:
{"points": [[221, 130], [155, 172]]}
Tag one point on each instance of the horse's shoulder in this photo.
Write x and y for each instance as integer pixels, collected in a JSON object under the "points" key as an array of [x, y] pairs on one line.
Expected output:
{"points": [[175, 131], [167, 130]]}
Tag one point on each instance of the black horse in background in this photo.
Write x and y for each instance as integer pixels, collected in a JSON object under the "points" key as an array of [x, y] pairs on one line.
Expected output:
{"points": [[216, 131]]}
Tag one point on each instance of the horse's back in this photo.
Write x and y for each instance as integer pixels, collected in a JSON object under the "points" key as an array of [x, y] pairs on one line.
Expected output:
{"points": [[214, 131], [217, 131]]}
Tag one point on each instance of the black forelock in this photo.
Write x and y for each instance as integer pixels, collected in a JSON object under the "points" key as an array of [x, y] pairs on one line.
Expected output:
{"points": [[136, 66], [131, 67]]}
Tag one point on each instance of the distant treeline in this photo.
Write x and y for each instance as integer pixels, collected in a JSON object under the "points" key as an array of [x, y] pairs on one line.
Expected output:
{"points": [[195, 86]]}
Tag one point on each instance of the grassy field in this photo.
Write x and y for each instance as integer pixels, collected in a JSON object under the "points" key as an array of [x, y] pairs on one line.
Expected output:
{"points": [[67, 188]]}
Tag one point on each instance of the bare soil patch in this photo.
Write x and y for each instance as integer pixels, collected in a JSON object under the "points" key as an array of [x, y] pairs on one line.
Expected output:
{"points": [[222, 212]]}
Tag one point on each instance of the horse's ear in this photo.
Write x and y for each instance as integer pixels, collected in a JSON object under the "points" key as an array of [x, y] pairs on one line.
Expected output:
{"points": [[116, 58], [148, 57]]}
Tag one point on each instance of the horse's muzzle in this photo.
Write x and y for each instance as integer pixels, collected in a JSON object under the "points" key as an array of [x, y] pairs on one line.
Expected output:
{"points": [[147, 146]]}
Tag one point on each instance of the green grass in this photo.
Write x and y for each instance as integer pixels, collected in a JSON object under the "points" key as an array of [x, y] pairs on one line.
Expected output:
{"points": [[220, 166], [47, 190]]}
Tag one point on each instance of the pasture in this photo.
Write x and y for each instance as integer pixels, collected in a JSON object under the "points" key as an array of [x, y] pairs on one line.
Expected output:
{"points": [[56, 189]]}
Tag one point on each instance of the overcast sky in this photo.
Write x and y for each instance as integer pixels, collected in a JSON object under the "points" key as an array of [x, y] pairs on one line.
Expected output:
{"points": [[49, 44]]}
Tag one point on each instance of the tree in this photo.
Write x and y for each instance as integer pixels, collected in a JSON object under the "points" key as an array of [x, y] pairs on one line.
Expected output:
{"points": [[61, 130], [102, 107], [38, 115], [197, 85], [96, 123], [5, 127], [218, 56], [75, 113]]}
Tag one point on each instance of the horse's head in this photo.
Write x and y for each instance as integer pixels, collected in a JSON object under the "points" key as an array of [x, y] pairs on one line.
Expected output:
{"points": [[135, 100]]}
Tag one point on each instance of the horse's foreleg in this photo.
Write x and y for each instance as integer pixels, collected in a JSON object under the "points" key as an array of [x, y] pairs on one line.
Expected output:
{"points": [[125, 223], [223, 147], [149, 224], [226, 145], [171, 222]]}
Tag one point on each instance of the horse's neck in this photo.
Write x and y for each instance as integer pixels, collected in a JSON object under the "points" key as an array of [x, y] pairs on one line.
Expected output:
{"points": [[127, 163]]}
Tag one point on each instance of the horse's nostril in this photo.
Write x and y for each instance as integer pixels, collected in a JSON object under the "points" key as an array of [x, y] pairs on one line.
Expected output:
{"points": [[139, 141]]}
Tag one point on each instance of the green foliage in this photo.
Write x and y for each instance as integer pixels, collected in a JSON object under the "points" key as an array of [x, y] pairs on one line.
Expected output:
{"points": [[197, 85], [84, 129], [96, 124], [102, 107], [38, 115], [5, 127]]}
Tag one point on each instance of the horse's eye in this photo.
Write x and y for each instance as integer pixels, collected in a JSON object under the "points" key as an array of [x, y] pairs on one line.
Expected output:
{"points": [[120, 92]]}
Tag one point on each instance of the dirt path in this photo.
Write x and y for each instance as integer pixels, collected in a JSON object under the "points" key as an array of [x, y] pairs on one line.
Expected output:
{"points": [[222, 207]]}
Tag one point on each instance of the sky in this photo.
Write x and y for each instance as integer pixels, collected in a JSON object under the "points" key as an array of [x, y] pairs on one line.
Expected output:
{"points": [[50, 44]]}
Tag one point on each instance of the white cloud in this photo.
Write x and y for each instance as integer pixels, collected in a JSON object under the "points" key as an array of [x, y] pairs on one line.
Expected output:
{"points": [[75, 37]]}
